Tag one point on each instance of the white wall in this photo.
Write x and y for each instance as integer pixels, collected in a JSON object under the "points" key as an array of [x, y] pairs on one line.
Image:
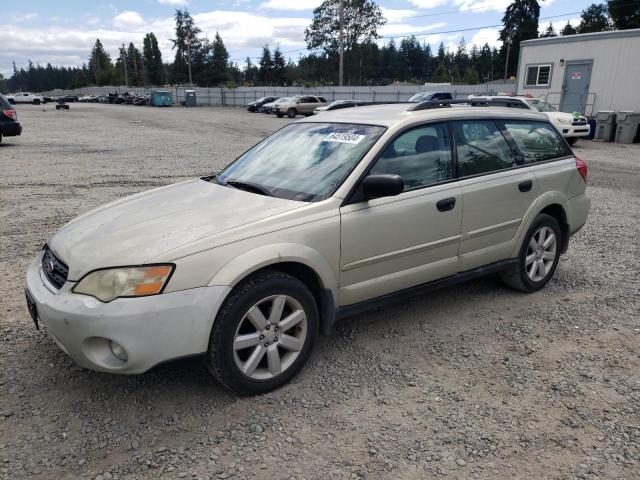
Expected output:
{"points": [[615, 75]]}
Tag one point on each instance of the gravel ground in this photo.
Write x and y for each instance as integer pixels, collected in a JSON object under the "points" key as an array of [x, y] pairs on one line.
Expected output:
{"points": [[475, 381]]}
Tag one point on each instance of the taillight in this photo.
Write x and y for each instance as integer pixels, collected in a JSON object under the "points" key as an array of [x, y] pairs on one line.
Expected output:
{"points": [[10, 114], [582, 168]]}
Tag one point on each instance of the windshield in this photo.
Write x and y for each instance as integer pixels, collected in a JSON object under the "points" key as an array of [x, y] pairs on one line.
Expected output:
{"points": [[303, 161], [541, 106], [420, 96]]}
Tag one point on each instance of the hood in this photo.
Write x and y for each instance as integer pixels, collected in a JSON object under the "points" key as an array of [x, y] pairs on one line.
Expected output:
{"points": [[567, 117], [136, 229]]}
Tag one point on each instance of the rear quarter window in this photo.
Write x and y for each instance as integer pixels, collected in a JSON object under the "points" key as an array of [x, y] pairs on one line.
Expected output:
{"points": [[4, 103], [537, 141]]}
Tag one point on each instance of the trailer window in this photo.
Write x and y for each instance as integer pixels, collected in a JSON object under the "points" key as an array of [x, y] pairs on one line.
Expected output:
{"points": [[538, 75]]}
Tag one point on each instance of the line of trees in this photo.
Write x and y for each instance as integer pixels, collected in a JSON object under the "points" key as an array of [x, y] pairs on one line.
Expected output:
{"points": [[206, 63]]}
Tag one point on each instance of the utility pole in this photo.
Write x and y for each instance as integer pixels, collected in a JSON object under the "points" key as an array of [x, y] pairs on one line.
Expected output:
{"points": [[124, 62], [341, 69], [506, 63], [189, 55]]}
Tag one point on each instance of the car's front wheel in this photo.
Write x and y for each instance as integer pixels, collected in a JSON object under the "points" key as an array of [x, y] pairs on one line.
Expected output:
{"points": [[572, 140], [263, 334], [292, 112], [538, 256]]}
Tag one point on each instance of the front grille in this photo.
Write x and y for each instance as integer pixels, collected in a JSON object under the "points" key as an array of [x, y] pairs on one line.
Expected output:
{"points": [[55, 271], [580, 121]]}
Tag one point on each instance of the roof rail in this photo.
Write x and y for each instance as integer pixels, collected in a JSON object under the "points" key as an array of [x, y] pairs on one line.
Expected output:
{"points": [[472, 102]]}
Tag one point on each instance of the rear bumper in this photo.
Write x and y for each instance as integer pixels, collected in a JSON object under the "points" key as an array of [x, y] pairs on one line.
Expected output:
{"points": [[11, 129], [578, 211], [151, 329]]}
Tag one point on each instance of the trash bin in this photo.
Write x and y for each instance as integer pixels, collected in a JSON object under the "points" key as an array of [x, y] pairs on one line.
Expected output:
{"points": [[627, 127], [606, 125], [189, 98], [161, 98]]}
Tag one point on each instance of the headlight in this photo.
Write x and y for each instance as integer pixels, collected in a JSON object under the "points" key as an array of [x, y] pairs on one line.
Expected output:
{"points": [[564, 121], [111, 283]]}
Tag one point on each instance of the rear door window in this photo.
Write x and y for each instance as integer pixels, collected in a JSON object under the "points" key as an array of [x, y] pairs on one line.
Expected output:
{"points": [[537, 141], [481, 148]]}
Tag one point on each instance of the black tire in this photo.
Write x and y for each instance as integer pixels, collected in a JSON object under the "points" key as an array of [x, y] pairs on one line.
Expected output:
{"points": [[292, 112], [572, 140], [36, 102], [280, 115], [518, 277], [220, 356]]}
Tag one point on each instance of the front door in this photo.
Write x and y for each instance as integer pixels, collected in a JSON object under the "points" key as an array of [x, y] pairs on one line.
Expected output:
{"points": [[393, 243], [575, 86]]}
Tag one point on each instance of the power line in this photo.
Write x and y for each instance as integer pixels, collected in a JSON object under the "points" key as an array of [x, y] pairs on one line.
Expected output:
{"points": [[404, 35]]}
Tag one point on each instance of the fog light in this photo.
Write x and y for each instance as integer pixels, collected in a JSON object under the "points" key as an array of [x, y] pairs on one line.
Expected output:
{"points": [[118, 351]]}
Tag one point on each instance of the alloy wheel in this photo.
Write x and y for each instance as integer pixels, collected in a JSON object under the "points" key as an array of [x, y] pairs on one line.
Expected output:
{"points": [[270, 337], [541, 254]]}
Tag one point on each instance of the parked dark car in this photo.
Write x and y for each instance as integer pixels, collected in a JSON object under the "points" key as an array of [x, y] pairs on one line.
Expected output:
{"points": [[256, 105], [70, 98], [9, 126], [429, 96]]}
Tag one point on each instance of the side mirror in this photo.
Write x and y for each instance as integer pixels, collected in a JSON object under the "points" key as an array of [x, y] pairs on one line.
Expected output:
{"points": [[377, 186]]}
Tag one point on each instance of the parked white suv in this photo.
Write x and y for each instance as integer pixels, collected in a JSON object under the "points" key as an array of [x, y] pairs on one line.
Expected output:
{"points": [[326, 217], [25, 97], [571, 126]]}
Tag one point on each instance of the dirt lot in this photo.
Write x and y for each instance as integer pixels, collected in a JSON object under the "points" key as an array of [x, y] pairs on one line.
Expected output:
{"points": [[475, 381]]}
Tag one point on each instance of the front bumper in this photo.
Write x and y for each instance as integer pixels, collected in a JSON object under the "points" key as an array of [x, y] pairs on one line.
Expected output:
{"points": [[11, 129], [151, 329], [575, 130]]}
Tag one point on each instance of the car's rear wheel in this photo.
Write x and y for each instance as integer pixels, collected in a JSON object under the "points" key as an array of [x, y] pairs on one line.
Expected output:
{"points": [[292, 112], [538, 256], [263, 334], [36, 102]]}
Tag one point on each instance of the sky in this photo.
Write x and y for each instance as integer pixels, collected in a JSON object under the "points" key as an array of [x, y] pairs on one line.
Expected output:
{"points": [[62, 32]]}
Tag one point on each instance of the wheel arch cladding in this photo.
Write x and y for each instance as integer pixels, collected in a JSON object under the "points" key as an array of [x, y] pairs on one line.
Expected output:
{"points": [[558, 212]]}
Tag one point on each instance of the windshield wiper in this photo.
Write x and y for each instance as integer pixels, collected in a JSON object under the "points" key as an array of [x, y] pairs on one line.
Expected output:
{"points": [[249, 187]]}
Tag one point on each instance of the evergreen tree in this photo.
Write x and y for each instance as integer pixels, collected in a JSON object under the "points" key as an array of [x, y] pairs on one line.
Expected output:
{"points": [[279, 65], [568, 29], [250, 72], [594, 18], [265, 72], [440, 75], [100, 64], [624, 14], [3, 84], [471, 76], [520, 22], [154, 69], [187, 46], [549, 32]]}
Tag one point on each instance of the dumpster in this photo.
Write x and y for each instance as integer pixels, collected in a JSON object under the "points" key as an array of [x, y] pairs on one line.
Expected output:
{"points": [[627, 127], [161, 98], [606, 125], [189, 98]]}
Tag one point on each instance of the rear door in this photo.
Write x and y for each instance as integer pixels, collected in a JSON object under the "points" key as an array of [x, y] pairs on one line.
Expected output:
{"points": [[307, 104], [496, 195], [392, 243]]}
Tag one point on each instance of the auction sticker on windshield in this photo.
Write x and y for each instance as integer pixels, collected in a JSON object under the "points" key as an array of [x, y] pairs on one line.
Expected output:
{"points": [[352, 138]]}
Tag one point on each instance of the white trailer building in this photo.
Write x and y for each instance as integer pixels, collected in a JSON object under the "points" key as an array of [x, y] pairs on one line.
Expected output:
{"points": [[586, 73]]}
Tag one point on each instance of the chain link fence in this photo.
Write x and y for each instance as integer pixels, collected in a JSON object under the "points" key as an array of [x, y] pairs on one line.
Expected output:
{"points": [[241, 96]]}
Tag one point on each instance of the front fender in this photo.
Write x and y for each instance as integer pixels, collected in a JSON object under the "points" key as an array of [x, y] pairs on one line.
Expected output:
{"points": [[243, 265]]}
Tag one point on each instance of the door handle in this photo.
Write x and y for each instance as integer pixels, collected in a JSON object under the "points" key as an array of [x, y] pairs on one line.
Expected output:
{"points": [[446, 204], [525, 186]]}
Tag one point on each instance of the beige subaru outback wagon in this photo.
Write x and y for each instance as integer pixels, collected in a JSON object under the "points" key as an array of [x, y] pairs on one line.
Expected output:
{"points": [[326, 217]]}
